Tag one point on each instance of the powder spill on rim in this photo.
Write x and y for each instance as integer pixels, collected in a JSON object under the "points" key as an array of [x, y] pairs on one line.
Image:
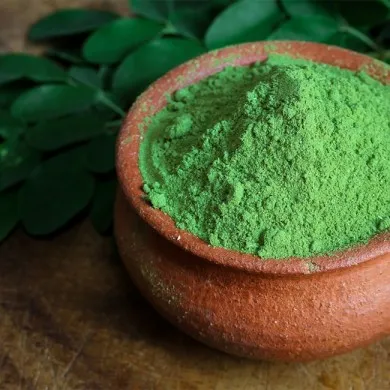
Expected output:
{"points": [[279, 159]]}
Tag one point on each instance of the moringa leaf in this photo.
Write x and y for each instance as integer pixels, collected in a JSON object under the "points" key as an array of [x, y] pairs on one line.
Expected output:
{"points": [[136, 72], [17, 161], [309, 7], [9, 215], [11, 91], [113, 41], [10, 127], [243, 21], [55, 193], [52, 101], [103, 205], [100, 154], [68, 22], [66, 55], [314, 28], [57, 133], [85, 75], [191, 18], [151, 9], [24, 66]]}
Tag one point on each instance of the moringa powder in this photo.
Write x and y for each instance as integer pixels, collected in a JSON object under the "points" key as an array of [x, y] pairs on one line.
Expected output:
{"points": [[283, 158]]}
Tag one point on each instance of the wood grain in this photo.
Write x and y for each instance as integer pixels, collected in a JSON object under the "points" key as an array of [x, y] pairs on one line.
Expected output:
{"points": [[70, 318]]}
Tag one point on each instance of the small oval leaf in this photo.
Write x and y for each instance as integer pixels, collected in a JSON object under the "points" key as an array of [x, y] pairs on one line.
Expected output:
{"points": [[66, 55], [69, 22], [11, 91], [85, 75], [151, 61], [57, 133], [152, 9], [52, 101], [100, 154], [10, 127], [314, 28], [9, 215], [103, 205], [112, 42], [17, 163], [55, 193], [18, 66], [309, 7], [244, 21]]}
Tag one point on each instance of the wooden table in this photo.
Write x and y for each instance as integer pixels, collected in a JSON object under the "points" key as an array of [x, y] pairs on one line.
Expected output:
{"points": [[70, 318]]}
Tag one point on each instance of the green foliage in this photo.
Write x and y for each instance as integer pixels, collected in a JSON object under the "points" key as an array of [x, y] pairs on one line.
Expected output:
{"points": [[85, 75], [103, 205], [135, 73], [112, 42], [313, 28], [55, 192], [23, 66], [52, 101], [9, 212], [72, 101], [54, 134], [69, 22], [100, 154], [244, 21]]}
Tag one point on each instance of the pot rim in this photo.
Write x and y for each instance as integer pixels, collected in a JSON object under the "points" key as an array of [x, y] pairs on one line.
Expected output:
{"points": [[153, 99]]}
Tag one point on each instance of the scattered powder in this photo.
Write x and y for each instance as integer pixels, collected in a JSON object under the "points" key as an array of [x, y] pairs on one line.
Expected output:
{"points": [[284, 158]]}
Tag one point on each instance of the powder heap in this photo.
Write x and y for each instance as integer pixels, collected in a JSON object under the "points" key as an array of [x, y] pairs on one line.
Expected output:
{"points": [[284, 158]]}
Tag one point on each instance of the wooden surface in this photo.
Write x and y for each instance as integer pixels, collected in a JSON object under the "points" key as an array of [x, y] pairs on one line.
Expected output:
{"points": [[70, 318]]}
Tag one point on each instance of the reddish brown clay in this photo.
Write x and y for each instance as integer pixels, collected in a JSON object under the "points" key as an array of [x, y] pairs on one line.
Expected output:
{"points": [[291, 310]]}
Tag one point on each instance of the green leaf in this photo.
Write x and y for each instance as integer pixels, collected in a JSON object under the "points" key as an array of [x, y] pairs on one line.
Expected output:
{"points": [[364, 13], [105, 74], [151, 61], [191, 18], [55, 193], [17, 161], [9, 215], [244, 21], [152, 9], [85, 75], [113, 41], [10, 127], [66, 55], [69, 22], [315, 28], [52, 101], [11, 91], [100, 154], [308, 7], [103, 205], [54, 134], [346, 40], [18, 66]]}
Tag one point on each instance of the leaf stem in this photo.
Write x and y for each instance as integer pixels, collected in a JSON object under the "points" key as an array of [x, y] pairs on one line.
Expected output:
{"points": [[361, 36], [103, 98], [381, 55], [114, 123]]}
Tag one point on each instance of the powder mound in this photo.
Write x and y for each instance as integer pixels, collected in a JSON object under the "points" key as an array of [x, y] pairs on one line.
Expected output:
{"points": [[284, 158]]}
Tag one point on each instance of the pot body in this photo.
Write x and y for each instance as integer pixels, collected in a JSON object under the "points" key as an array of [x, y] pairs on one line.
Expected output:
{"points": [[255, 314]]}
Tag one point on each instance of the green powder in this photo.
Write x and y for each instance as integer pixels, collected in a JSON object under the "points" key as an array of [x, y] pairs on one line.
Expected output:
{"points": [[286, 158]]}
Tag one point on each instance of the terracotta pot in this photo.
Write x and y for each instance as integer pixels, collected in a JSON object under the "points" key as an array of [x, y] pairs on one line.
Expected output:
{"points": [[291, 310]]}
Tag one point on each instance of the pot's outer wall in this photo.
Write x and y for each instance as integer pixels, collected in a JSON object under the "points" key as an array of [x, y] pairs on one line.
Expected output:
{"points": [[290, 310], [288, 318]]}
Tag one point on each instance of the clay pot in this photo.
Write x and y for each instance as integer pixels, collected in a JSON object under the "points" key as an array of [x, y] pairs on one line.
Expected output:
{"points": [[292, 310]]}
